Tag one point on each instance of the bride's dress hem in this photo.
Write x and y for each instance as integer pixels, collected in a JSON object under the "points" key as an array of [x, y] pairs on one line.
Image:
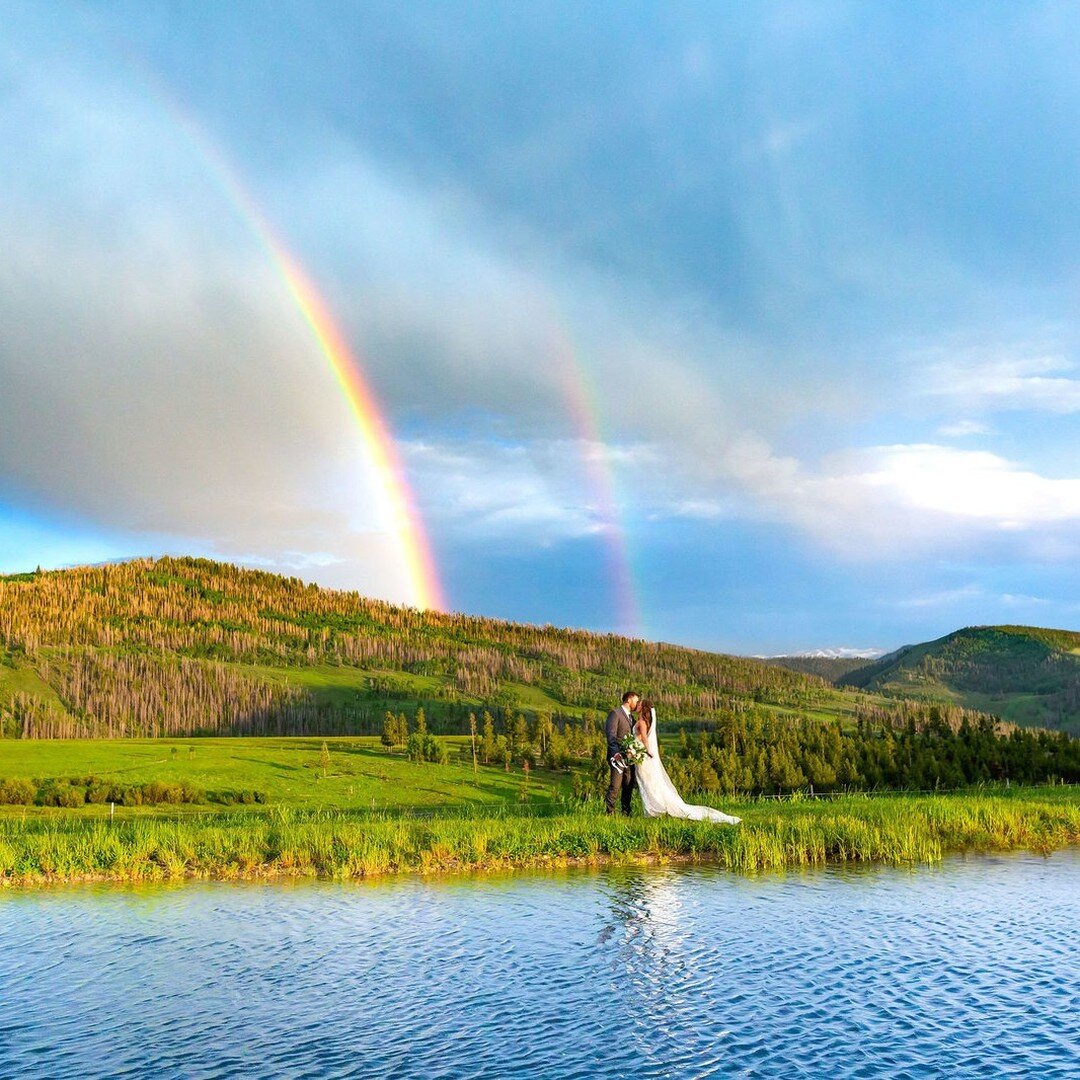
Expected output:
{"points": [[659, 795]]}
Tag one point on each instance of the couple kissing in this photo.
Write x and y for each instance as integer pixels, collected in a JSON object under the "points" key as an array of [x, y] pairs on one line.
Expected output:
{"points": [[634, 757]]}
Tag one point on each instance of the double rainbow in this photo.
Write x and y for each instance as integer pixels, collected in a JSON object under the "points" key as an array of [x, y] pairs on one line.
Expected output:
{"points": [[405, 520]]}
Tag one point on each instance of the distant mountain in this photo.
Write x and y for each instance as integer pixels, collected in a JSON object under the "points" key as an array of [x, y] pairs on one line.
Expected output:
{"points": [[824, 665], [1024, 674], [842, 653]]}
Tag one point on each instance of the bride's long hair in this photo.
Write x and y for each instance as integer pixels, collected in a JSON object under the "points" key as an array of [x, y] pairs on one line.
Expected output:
{"points": [[646, 708]]}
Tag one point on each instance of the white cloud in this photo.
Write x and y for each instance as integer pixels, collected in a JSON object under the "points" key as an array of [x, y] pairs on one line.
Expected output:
{"points": [[966, 484], [988, 602], [1022, 600], [961, 429], [701, 509], [863, 504], [943, 598], [884, 501], [532, 493], [1036, 383]]}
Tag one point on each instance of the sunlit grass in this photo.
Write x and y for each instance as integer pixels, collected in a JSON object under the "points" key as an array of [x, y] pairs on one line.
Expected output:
{"points": [[334, 843], [361, 774]]}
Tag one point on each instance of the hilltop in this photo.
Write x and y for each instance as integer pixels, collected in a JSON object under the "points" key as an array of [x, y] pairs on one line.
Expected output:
{"points": [[181, 646], [1024, 674]]}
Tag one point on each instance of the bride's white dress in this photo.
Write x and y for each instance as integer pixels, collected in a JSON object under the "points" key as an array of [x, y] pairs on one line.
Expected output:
{"points": [[658, 794]]}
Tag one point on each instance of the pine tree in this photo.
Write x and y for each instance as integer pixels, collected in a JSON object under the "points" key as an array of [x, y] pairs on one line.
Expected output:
{"points": [[543, 730], [472, 740], [519, 735], [488, 746]]}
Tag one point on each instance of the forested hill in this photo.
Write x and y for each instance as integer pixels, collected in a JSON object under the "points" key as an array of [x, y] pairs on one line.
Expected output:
{"points": [[1024, 674], [183, 646]]}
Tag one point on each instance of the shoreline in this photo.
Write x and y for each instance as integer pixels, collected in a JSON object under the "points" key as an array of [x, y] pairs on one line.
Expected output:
{"points": [[294, 845], [267, 875]]}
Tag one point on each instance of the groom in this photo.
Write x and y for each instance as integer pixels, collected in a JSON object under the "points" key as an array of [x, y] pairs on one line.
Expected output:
{"points": [[620, 723]]}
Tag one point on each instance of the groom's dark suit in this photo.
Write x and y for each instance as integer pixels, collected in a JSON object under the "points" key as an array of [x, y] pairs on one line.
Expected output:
{"points": [[622, 784]]}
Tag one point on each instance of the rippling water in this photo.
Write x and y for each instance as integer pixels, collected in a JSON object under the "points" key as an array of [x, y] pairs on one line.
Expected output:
{"points": [[970, 969]]}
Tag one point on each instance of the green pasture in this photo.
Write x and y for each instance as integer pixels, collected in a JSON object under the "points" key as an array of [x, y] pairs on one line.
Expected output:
{"points": [[360, 774]]}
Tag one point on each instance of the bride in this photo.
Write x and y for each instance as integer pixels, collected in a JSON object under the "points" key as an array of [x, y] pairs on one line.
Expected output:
{"points": [[658, 794]]}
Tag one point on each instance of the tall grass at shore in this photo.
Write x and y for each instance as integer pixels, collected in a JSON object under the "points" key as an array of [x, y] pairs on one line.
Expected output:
{"points": [[892, 830]]}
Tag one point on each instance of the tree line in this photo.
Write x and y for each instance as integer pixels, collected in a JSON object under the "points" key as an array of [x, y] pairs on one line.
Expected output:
{"points": [[757, 753], [763, 755]]}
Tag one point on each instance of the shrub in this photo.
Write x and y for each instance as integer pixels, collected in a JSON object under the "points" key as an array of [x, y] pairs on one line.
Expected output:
{"points": [[157, 792], [244, 797], [47, 794], [70, 796], [60, 792], [17, 791], [75, 791]]}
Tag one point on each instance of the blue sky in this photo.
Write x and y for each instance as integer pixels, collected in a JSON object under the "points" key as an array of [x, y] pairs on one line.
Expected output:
{"points": [[817, 263]]}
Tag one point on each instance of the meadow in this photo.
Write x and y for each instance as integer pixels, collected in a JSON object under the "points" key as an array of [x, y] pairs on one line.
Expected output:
{"points": [[354, 774], [360, 812]]}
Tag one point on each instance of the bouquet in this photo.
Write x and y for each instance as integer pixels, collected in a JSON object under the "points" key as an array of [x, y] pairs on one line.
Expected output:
{"points": [[633, 749]]}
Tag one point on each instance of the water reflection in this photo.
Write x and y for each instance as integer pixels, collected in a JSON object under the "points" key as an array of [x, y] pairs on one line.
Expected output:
{"points": [[964, 970], [665, 971]]}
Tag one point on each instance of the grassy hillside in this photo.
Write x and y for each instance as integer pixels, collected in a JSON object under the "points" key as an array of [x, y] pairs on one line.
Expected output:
{"points": [[1026, 675], [183, 647]]}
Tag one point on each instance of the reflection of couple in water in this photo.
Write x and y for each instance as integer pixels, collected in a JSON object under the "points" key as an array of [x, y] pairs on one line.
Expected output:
{"points": [[637, 718]]}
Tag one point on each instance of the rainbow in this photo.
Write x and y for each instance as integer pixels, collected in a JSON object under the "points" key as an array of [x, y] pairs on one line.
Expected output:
{"points": [[406, 523], [576, 388], [380, 446]]}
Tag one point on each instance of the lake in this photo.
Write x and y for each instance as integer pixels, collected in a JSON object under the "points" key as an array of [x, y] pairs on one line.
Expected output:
{"points": [[967, 969]]}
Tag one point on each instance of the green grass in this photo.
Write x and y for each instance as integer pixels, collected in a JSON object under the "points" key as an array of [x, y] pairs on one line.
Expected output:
{"points": [[376, 813], [331, 843], [536, 699], [361, 774], [21, 678], [337, 683]]}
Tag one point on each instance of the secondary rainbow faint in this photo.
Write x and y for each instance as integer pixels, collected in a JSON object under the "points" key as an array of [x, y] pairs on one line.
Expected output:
{"points": [[399, 502], [576, 388]]}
